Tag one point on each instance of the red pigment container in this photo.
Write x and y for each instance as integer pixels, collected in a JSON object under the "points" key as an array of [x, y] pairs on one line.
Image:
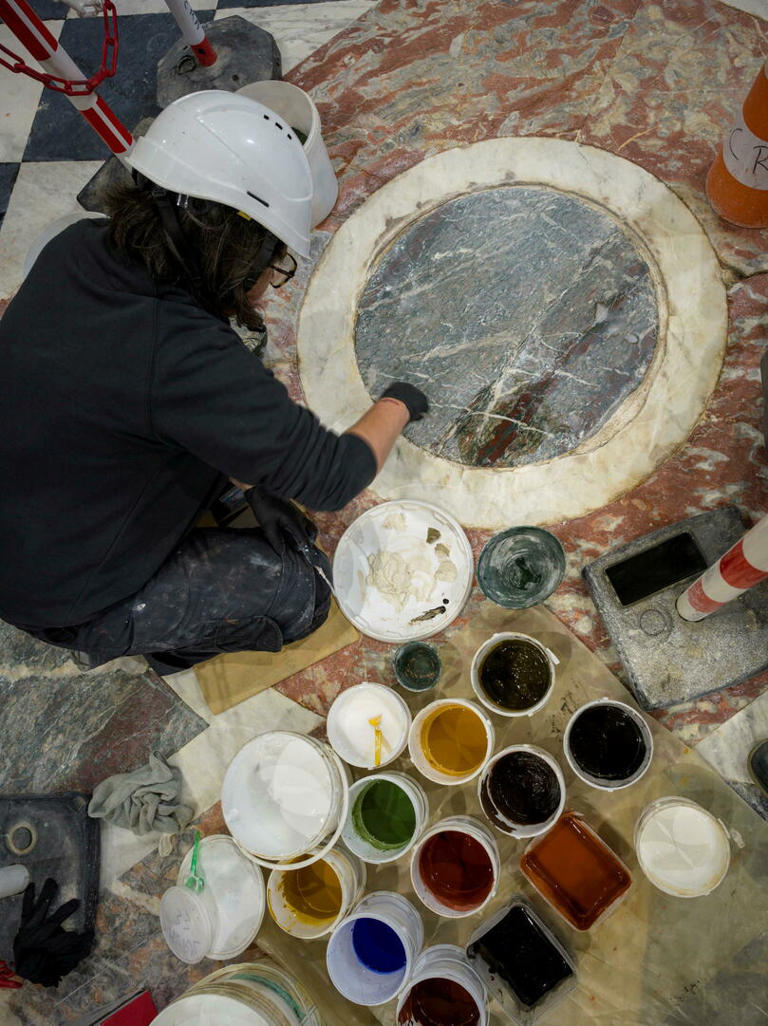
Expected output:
{"points": [[576, 872], [455, 867]]}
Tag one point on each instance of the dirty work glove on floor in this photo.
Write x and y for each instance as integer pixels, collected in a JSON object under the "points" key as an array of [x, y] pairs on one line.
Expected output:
{"points": [[43, 950], [414, 399], [142, 801], [281, 520]]}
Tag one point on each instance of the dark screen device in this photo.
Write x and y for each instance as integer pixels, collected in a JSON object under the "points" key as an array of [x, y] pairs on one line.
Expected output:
{"points": [[656, 569]]}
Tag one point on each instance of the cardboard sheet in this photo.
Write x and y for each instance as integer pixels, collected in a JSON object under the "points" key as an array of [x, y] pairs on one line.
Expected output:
{"points": [[656, 960], [235, 676]]}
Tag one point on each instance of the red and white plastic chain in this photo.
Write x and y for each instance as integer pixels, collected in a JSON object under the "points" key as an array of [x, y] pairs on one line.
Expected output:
{"points": [[70, 87]]}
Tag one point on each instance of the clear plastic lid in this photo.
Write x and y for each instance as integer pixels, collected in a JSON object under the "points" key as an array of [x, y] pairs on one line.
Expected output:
{"points": [[187, 924]]}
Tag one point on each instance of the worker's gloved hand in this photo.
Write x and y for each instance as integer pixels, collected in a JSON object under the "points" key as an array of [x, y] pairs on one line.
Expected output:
{"points": [[43, 950], [281, 521], [414, 399]]}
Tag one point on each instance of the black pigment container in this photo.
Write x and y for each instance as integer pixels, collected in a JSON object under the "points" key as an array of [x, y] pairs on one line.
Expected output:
{"points": [[520, 960], [608, 744]]}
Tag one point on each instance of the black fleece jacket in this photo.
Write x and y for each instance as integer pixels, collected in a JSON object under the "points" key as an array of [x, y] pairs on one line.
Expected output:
{"points": [[123, 407]]}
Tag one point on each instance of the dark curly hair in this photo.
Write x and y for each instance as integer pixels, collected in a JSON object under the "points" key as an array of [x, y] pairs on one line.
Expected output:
{"points": [[225, 252]]}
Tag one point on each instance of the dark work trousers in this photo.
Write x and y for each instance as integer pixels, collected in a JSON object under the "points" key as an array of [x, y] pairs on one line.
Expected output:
{"points": [[221, 590]]}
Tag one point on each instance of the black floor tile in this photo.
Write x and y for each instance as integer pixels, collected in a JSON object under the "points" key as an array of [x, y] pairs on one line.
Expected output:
{"points": [[8, 174], [58, 131]]}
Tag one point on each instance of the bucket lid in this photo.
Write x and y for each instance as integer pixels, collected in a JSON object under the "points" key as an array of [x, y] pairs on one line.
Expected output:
{"points": [[204, 1009], [279, 795], [237, 888], [186, 924]]}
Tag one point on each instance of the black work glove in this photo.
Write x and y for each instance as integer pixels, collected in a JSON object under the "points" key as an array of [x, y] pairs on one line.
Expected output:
{"points": [[414, 399], [43, 951], [281, 521]]}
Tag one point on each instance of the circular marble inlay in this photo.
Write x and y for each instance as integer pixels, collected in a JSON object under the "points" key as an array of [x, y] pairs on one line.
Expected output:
{"points": [[527, 314], [562, 309]]}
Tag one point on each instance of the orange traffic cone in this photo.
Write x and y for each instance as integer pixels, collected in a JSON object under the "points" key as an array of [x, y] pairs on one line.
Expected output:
{"points": [[737, 183]]}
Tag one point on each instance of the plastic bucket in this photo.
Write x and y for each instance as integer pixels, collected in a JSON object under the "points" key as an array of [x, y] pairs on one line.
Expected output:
{"points": [[237, 889], [636, 719], [371, 953], [285, 799], [500, 808], [248, 994], [681, 847], [450, 741], [310, 902], [442, 976], [296, 107], [378, 825], [538, 700], [455, 867], [353, 736]]}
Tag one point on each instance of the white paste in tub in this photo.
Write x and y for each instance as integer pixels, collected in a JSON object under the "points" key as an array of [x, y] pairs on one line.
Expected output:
{"points": [[351, 733], [683, 849]]}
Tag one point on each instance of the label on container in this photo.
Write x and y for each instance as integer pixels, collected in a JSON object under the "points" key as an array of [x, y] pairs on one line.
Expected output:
{"points": [[746, 155]]}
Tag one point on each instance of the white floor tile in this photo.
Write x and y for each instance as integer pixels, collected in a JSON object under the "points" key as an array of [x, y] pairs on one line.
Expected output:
{"points": [[43, 192], [19, 97]]}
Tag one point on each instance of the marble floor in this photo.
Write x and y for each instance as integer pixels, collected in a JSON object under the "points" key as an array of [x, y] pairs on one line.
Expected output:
{"points": [[396, 82]]}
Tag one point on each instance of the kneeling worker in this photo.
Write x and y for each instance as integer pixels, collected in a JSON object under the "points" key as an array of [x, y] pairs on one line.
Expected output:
{"points": [[128, 404]]}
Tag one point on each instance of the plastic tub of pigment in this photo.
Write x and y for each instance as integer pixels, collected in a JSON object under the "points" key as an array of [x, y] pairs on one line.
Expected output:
{"points": [[608, 744], [285, 799], [577, 873], [189, 922], [387, 812], [352, 733], [450, 741], [371, 953], [237, 889], [513, 674], [520, 567], [417, 666], [444, 990], [522, 963], [522, 791], [681, 847], [310, 902], [249, 994], [455, 867]]}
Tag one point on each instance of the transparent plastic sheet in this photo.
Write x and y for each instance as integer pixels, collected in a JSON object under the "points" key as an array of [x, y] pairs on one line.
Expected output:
{"points": [[656, 960]]}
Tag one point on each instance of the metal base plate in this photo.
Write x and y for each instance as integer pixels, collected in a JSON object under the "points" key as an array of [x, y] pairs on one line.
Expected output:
{"points": [[246, 53], [669, 660]]}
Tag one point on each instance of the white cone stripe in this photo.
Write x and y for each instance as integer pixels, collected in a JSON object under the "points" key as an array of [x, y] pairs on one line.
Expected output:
{"points": [[756, 545]]}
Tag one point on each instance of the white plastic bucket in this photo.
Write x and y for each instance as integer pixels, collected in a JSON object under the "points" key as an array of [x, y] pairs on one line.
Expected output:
{"points": [[442, 962], [300, 921], [474, 829], [601, 783], [297, 108], [351, 734], [483, 651], [497, 816], [386, 913], [237, 889], [681, 847], [418, 737], [285, 799], [248, 994], [354, 833]]}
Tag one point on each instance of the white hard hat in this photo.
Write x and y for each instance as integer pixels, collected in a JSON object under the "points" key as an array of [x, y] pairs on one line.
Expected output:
{"points": [[224, 147]]}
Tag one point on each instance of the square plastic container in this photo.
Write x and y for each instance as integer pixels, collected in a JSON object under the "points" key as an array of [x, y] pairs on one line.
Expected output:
{"points": [[524, 993], [576, 871]]}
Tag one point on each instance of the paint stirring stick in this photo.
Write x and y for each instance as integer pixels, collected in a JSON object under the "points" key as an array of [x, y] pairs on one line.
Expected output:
{"points": [[375, 722]]}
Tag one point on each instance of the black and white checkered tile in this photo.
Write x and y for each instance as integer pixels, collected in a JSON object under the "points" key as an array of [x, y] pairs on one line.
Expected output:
{"points": [[48, 152]]}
